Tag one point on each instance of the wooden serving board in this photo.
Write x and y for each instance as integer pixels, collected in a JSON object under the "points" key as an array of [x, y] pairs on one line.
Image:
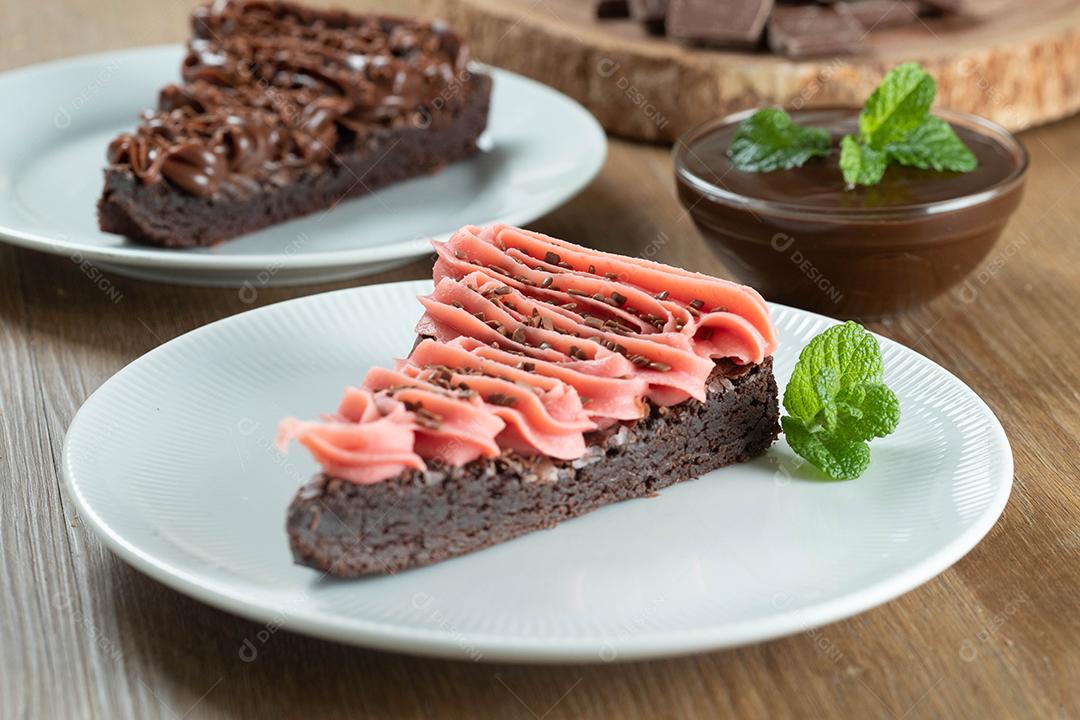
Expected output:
{"points": [[1015, 62]]}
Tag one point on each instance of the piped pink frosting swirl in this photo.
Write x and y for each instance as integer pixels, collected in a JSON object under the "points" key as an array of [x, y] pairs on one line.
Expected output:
{"points": [[533, 342]]}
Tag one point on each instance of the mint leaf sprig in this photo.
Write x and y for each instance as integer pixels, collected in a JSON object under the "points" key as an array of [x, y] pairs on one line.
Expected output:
{"points": [[769, 140], [837, 401], [895, 126]]}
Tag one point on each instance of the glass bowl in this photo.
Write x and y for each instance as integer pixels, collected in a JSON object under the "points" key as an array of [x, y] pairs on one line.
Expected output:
{"points": [[852, 253]]}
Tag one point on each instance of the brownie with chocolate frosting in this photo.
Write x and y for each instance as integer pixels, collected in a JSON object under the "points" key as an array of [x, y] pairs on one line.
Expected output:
{"points": [[284, 111]]}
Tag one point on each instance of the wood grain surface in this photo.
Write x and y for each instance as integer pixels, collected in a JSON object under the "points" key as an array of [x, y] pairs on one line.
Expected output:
{"points": [[1017, 63], [84, 635]]}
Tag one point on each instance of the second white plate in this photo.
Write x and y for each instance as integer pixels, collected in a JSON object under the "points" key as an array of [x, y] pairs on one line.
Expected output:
{"points": [[540, 149], [171, 461]]}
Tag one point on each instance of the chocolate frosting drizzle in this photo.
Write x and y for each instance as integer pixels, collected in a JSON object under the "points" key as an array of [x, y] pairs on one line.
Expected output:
{"points": [[273, 90]]}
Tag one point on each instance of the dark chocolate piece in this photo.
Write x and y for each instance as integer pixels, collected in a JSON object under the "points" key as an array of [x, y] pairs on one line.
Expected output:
{"points": [[946, 6], [419, 518], [610, 9], [274, 96], [718, 23], [881, 14], [650, 13], [812, 31]]}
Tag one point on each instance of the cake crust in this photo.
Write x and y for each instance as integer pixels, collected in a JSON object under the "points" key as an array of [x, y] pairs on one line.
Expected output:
{"points": [[422, 517]]}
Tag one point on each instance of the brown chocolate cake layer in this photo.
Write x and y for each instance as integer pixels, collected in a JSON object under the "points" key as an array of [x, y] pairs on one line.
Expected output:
{"points": [[284, 111], [418, 518]]}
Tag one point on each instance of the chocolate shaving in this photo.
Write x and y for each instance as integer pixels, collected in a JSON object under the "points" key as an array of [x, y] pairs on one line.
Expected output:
{"points": [[428, 424]]}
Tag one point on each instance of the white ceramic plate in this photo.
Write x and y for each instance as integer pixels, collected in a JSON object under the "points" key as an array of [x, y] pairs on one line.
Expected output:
{"points": [[540, 149], [171, 462]]}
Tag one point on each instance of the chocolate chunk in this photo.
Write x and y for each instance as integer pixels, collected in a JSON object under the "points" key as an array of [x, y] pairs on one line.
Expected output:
{"points": [[651, 13], [812, 31], [881, 14], [607, 9], [722, 23], [946, 6]]}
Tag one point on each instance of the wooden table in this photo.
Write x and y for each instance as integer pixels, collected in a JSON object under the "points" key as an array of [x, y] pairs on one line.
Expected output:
{"points": [[82, 634]]}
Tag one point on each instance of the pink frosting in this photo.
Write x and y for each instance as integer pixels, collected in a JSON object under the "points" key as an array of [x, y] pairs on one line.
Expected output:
{"points": [[360, 443], [536, 342]]}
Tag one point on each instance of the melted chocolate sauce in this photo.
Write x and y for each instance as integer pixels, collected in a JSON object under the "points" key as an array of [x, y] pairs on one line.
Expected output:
{"points": [[802, 238], [820, 183]]}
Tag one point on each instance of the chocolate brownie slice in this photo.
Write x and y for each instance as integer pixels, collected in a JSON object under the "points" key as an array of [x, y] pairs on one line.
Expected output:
{"points": [[421, 517], [284, 111]]}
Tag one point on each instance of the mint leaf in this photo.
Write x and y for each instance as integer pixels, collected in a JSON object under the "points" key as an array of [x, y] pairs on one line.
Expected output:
{"points": [[899, 105], [769, 140], [838, 459], [933, 146], [861, 164], [849, 351], [868, 411], [895, 126], [836, 401]]}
